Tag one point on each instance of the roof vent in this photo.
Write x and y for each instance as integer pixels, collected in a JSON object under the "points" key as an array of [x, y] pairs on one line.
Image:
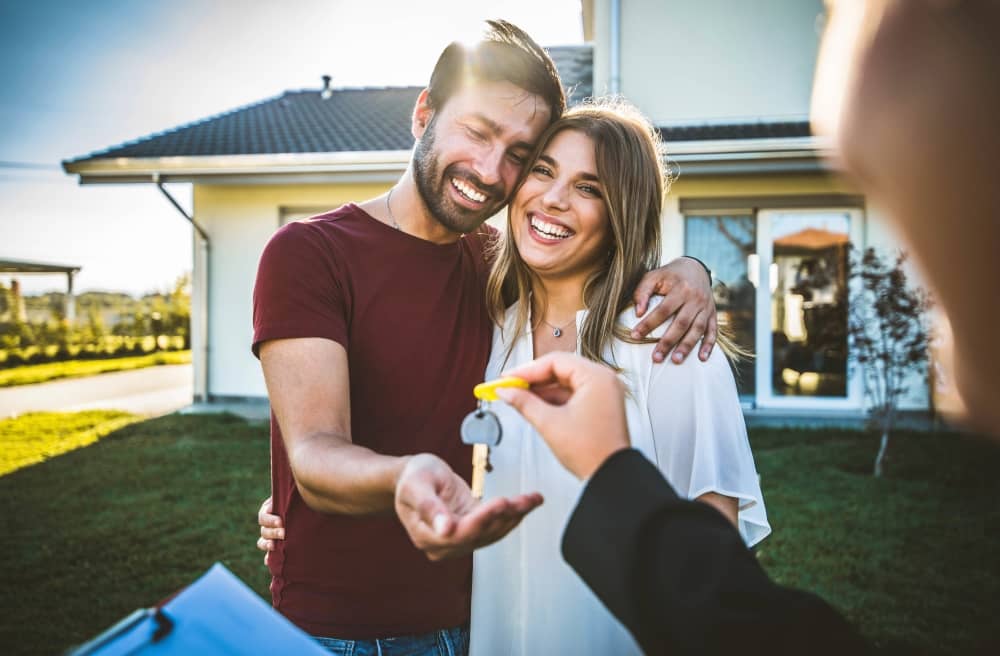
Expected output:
{"points": [[327, 91]]}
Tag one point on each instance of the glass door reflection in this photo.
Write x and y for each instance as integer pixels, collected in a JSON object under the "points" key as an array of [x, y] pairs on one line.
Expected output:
{"points": [[808, 303]]}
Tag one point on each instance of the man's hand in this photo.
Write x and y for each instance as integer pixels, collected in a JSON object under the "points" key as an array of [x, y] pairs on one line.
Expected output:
{"points": [[577, 405], [271, 528], [441, 516], [687, 293]]}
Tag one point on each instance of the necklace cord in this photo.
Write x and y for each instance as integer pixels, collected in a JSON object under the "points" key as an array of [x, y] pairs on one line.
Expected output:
{"points": [[395, 224]]}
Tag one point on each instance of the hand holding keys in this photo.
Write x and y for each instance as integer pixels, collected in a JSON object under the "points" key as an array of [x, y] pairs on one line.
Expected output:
{"points": [[443, 516], [482, 430]]}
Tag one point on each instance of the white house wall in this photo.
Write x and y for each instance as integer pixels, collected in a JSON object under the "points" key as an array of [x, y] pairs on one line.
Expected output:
{"points": [[712, 61], [239, 221]]}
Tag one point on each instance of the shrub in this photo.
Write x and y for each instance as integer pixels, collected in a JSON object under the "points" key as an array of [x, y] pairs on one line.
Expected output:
{"points": [[889, 336]]}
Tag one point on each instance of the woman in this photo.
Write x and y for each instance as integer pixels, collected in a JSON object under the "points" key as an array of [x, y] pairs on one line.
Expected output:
{"points": [[583, 227]]}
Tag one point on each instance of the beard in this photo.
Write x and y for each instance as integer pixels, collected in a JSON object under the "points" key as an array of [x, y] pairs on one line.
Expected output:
{"points": [[431, 181]]}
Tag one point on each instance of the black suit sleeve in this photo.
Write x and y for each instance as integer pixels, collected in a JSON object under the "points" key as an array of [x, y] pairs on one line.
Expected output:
{"points": [[677, 574]]}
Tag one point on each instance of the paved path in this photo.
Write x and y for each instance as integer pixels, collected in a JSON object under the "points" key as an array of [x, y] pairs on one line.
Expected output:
{"points": [[149, 391]]}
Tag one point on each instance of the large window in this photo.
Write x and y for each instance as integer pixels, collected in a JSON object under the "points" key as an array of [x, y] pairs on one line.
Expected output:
{"points": [[728, 244], [782, 292]]}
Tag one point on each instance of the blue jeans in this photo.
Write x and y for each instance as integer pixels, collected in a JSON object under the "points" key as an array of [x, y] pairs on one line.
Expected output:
{"points": [[446, 642]]}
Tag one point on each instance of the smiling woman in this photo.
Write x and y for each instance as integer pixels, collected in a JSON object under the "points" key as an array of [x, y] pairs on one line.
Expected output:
{"points": [[559, 220], [594, 192], [583, 227]]}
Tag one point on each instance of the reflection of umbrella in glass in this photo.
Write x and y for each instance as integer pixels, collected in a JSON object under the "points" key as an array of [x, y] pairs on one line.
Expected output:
{"points": [[821, 256], [811, 239]]}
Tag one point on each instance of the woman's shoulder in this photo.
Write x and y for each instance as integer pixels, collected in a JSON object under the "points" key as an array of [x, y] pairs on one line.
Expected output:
{"points": [[629, 320], [639, 355]]}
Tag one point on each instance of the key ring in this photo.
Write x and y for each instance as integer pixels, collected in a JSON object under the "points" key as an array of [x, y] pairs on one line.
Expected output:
{"points": [[488, 391]]}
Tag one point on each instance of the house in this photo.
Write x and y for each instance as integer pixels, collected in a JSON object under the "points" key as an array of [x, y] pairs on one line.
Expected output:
{"points": [[727, 83], [730, 84]]}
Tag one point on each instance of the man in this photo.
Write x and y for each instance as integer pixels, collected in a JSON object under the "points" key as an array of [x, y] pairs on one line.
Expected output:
{"points": [[910, 92], [371, 330]]}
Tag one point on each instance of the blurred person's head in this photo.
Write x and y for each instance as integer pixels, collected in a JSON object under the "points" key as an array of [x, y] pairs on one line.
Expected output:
{"points": [[908, 92]]}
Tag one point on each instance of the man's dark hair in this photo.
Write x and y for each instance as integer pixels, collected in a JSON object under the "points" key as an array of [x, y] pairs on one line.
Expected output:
{"points": [[505, 54]]}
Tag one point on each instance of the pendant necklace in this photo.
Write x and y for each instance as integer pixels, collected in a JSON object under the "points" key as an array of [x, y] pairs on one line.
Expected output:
{"points": [[557, 331]]}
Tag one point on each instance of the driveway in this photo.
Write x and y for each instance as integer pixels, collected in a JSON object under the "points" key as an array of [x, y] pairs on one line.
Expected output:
{"points": [[150, 391]]}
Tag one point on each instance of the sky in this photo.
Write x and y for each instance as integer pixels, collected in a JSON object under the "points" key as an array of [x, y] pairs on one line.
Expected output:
{"points": [[78, 77]]}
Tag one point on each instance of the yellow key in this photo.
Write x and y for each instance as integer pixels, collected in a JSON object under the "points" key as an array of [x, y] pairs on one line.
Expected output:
{"points": [[481, 428]]}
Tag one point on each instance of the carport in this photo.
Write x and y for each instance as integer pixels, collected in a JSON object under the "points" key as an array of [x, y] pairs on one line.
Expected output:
{"points": [[25, 267]]}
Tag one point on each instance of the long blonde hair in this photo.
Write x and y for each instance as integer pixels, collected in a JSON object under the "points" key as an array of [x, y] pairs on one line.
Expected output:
{"points": [[627, 153]]}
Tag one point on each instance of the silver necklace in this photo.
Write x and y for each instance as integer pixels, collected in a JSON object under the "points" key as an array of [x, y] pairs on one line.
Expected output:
{"points": [[557, 331], [388, 208]]}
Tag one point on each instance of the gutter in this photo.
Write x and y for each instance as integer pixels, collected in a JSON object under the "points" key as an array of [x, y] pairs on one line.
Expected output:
{"points": [[743, 156], [172, 168], [205, 252], [749, 148], [748, 156]]}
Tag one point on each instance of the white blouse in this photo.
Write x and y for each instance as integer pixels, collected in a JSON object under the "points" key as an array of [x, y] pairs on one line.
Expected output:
{"points": [[685, 418]]}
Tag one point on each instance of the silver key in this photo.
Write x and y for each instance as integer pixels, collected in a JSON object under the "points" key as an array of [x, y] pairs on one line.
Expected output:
{"points": [[481, 429], [482, 426]]}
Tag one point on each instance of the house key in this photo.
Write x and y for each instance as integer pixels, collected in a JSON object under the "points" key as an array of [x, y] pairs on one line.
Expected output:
{"points": [[481, 428]]}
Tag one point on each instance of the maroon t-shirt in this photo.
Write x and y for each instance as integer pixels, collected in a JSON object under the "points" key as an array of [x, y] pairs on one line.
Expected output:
{"points": [[411, 315]]}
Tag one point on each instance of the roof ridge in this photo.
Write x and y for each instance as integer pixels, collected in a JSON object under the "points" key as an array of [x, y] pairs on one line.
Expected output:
{"points": [[392, 87]]}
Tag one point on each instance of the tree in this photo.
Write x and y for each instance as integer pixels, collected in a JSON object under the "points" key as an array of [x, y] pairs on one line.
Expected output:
{"points": [[6, 302], [180, 309], [888, 336]]}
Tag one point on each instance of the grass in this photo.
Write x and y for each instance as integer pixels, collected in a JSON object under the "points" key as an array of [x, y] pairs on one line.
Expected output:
{"points": [[37, 436], [40, 373], [93, 534], [913, 559], [98, 532]]}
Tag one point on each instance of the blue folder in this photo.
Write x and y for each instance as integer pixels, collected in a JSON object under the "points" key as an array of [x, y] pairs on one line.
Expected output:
{"points": [[217, 614]]}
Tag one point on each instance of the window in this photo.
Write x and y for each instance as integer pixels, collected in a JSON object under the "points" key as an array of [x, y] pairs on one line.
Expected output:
{"points": [[781, 290]]}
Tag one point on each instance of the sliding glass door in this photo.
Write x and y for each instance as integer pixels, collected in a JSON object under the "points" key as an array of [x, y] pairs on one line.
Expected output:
{"points": [[785, 297], [802, 323]]}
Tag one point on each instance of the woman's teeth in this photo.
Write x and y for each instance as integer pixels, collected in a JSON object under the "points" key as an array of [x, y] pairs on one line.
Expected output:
{"points": [[468, 191], [549, 230]]}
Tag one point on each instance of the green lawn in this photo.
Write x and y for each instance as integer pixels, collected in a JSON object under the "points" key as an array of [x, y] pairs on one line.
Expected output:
{"points": [[912, 558], [97, 532], [40, 373], [37, 436]]}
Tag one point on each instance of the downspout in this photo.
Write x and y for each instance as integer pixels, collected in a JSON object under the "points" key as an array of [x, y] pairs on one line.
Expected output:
{"points": [[614, 46], [205, 250]]}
